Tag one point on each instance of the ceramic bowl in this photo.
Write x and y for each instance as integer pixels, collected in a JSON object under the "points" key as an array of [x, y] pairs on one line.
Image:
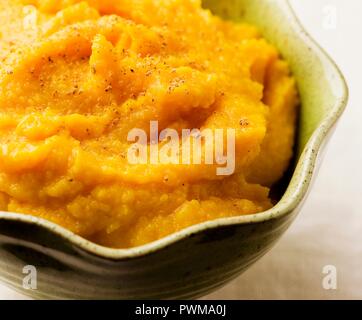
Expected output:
{"points": [[202, 258]]}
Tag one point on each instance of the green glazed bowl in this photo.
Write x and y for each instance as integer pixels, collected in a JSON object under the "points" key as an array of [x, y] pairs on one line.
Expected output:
{"points": [[202, 258]]}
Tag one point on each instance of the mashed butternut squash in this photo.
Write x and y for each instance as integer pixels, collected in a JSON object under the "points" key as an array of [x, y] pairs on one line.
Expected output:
{"points": [[77, 76]]}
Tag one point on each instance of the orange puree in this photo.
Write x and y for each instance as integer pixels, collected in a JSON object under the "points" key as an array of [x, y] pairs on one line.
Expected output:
{"points": [[77, 76]]}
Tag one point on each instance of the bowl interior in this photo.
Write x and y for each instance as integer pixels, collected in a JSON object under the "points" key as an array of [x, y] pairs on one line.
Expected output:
{"points": [[320, 84]]}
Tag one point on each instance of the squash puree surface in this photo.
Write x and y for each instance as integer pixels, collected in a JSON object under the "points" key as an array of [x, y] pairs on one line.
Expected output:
{"points": [[77, 76]]}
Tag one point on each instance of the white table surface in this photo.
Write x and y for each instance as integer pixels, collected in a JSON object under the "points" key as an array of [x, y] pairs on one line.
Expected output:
{"points": [[329, 229]]}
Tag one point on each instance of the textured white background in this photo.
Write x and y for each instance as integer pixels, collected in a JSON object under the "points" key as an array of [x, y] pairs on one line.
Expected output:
{"points": [[329, 229]]}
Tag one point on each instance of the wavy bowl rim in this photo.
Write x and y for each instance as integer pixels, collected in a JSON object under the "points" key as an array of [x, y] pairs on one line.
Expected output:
{"points": [[292, 198]]}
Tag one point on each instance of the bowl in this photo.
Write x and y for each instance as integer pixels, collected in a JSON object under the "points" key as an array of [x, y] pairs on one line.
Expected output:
{"points": [[204, 257]]}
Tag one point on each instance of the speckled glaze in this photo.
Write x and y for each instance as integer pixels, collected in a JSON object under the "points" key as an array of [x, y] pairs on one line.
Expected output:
{"points": [[195, 261]]}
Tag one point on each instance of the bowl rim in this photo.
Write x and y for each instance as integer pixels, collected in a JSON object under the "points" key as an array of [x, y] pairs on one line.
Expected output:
{"points": [[291, 200]]}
